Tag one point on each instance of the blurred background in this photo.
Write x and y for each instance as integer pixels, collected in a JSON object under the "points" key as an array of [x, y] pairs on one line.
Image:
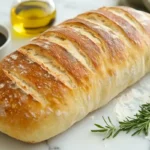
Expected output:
{"points": [[65, 9], [70, 8]]}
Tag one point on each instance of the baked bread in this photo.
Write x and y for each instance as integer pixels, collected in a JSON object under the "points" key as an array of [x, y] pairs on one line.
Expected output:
{"points": [[72, 69]]}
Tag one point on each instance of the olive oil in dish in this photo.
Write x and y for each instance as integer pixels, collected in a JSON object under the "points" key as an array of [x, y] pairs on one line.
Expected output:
{"points": [[33, 16]]}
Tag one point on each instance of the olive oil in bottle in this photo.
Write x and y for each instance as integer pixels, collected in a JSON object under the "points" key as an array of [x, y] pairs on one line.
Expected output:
{"points": [[33, 16]]}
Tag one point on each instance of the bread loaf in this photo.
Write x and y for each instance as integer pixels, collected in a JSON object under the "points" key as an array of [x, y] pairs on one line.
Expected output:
{"points": [[72, 69]]}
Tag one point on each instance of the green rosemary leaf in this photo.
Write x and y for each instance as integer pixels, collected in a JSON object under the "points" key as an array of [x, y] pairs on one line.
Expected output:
{"points": [[96, 131], [136, 132], [139, 124], [109, 135], [110, 121], [99, 126], [117, 132], [103, 130], [106, 122]]}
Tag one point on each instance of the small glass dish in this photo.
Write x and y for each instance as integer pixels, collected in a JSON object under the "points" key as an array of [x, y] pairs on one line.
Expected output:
{"points": [[5, 47]]}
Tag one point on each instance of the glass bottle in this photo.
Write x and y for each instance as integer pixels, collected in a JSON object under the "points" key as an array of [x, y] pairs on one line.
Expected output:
{"points": [[32, 16]]}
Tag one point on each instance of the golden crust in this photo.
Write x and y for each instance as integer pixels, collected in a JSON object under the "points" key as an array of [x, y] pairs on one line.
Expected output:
{"points": [[85, 44], [17, 104], [63, 57], [126, 13], [141, 17], [121, 24], [21, 115], [100, 52], [130, 31], [18, 110], [115, 46], [51, 89]]}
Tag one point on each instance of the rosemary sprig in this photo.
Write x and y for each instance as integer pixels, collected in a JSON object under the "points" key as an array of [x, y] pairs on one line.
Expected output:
{"points": [[139, 124], [109, 129]]}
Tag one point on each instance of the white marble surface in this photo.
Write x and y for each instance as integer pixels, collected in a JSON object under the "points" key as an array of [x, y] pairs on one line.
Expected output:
{"points": [[79, 136]]}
